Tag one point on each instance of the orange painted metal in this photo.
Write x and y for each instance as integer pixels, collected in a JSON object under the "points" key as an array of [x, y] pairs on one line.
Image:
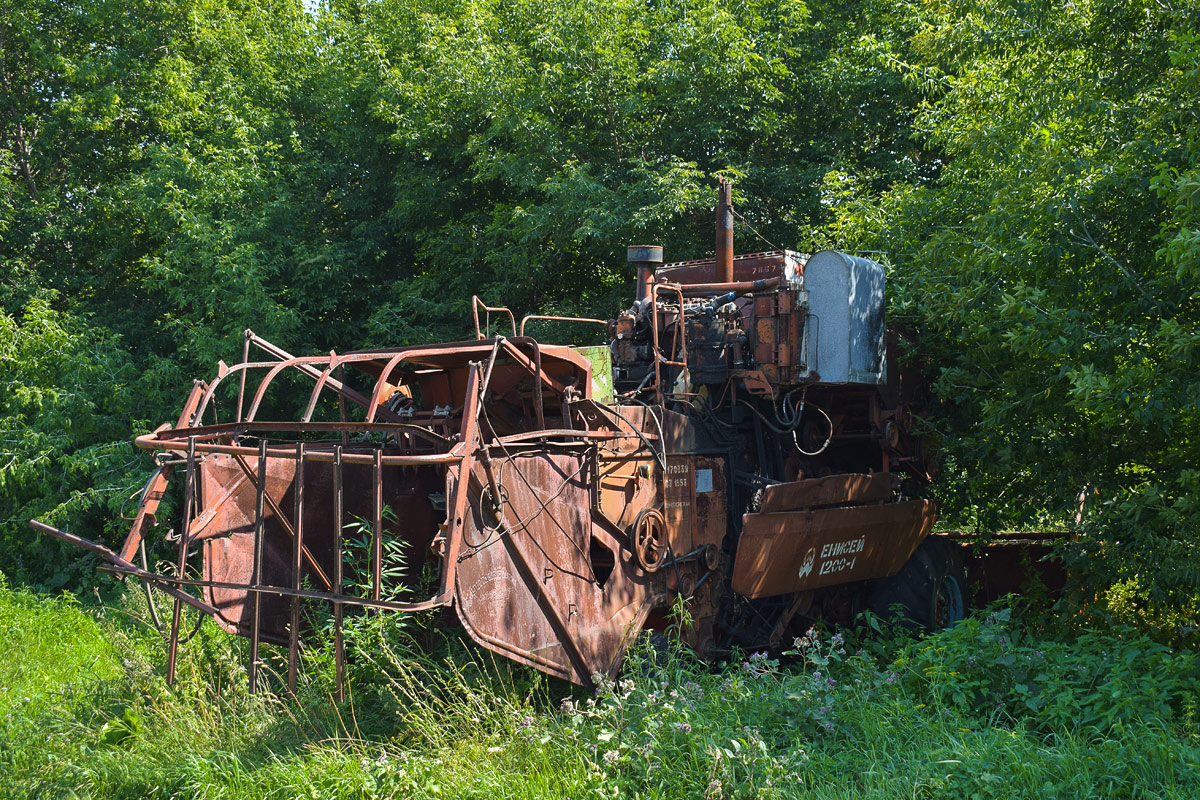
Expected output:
{"points": [[793, 551], [527, 586], [829, 491]]}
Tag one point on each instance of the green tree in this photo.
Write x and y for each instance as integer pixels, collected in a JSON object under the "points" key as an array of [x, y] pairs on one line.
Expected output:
{"points": [[1052, 269], [69, 396]]}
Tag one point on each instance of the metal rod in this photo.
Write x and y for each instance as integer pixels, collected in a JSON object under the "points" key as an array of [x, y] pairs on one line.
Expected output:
{"points": [[675, 343], [242, 377], [297, 565], [259, 529], [167, 584], [339, 647], [740, 287], [287, 526], [548, 318], [377, 528], [189, 488], [228, 429], [342, 417], [281, 591], [477, 304], [493, 486], [121, 566], [457, 508], [654, 336], [147, 442]]}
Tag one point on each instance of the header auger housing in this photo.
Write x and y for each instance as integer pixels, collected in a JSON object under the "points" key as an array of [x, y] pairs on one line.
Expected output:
{"points": [[745, 441]]}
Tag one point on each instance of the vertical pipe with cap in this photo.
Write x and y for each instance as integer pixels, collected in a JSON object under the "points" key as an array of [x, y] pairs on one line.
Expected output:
{"points": [[724, 259], [646, 257]]}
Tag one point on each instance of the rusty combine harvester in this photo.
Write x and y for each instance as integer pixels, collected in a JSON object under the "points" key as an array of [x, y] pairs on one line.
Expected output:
{"points": [[743, 443]]}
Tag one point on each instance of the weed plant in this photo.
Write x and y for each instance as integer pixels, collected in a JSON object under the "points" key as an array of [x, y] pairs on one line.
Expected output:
{"points": [[1001, 706]]}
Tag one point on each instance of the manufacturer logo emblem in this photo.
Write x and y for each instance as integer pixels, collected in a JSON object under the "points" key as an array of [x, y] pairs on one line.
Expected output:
{"points": [[809, 558]]}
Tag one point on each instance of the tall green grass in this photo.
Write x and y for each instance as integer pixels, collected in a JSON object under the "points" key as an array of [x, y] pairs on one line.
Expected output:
{"points": [[995, 708]]}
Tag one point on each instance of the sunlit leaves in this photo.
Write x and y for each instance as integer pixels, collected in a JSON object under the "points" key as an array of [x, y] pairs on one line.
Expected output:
{"points": [[1051, 269]]}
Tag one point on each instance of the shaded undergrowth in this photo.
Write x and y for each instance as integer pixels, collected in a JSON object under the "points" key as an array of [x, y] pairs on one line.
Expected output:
{"points": [[999, 706]]}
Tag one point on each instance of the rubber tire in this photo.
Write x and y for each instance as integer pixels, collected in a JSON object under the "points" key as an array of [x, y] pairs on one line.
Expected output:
{"points": [[929, 591]]}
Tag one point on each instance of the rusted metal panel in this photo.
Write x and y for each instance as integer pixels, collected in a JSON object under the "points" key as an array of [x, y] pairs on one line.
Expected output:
{"points": [[626, 483], [711, 501], [1011, 562], [792, 551], [679, 508], [527, 587], [829, 491], [784, 264], [228, 538], [701, 577], [764, 344]]}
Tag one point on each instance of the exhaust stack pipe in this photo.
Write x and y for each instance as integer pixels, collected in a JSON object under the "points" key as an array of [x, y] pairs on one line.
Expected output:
{"points": [[724, 259], [647, 258]]}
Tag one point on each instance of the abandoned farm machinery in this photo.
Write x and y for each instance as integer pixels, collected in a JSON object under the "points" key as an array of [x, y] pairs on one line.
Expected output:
{"points": [[746, 444]]}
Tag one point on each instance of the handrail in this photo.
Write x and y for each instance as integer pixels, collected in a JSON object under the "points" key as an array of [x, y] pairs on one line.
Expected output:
{"points": [[675, 339], [552, 318], [535, 369], [477, 304]]}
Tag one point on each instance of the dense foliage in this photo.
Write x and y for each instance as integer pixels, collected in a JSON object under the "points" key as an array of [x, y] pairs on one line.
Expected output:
{"points": [[1054, 268], [175, 171]]}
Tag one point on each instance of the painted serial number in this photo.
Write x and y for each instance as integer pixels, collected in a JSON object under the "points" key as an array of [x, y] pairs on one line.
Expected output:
{"points": [[840, 556], [836, 565]]}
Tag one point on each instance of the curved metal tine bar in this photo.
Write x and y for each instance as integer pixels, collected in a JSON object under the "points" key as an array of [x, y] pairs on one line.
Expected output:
{"points": [[299, 362], [306, 365], [377, 393], [242, 368], [312, 398], [262, 388], [247, 336]]}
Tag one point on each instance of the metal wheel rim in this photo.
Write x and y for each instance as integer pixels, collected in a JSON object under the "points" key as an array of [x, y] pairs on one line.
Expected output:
{"points": [[649, 540], [948, 603]]}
